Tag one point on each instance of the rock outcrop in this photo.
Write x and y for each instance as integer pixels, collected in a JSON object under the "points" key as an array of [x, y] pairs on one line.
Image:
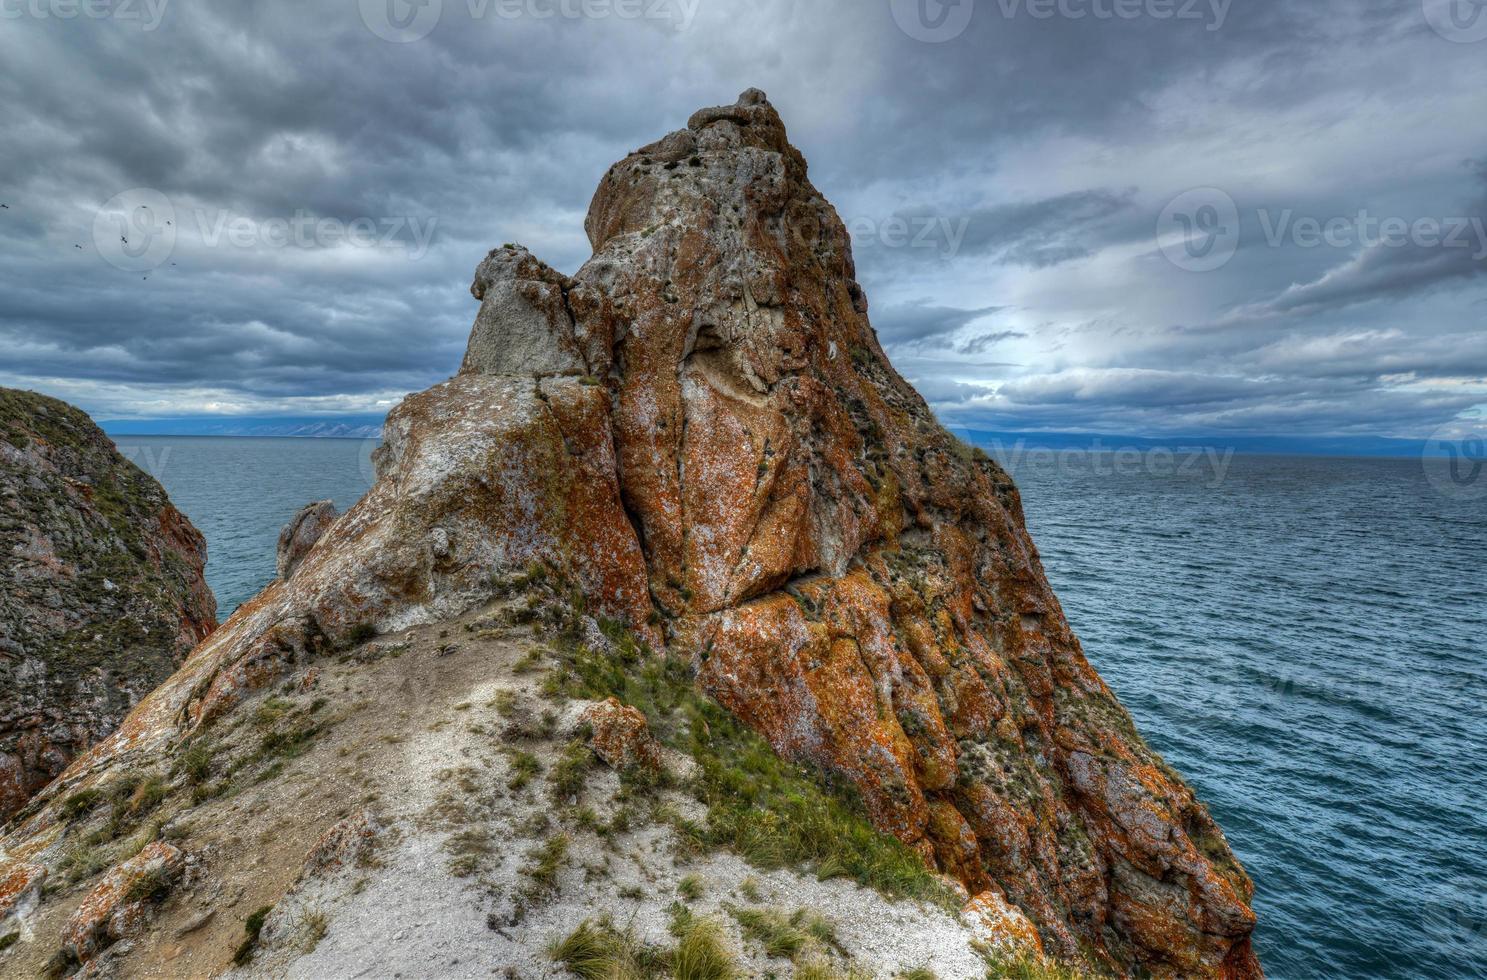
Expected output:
{"points": [[699, 434], [101, 589], [304, 529]]}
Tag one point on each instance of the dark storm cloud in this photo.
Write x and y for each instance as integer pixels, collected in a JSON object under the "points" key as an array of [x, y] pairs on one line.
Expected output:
{"points": [[1029, 158], [919, 321]]}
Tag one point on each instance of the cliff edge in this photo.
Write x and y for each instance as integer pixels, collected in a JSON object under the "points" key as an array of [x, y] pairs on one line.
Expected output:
{"points": [[689, 460], [101, 589]]}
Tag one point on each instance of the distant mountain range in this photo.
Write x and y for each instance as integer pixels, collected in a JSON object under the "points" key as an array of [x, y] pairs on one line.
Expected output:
{"points": [[324, 427], [370, 427], [1012, 442]]}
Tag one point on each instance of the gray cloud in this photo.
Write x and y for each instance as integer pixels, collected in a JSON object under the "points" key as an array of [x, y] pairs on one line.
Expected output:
{"points": [[1045, 149]]}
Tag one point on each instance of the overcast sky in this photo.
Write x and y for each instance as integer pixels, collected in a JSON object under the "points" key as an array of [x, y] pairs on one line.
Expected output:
{"points": [[1094, 215]]}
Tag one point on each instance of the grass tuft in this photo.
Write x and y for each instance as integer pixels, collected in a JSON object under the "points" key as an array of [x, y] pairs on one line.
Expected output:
{"points": [[701, 955]]}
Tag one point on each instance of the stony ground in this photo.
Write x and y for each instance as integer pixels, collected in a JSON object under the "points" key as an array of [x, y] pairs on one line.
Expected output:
{"points": [[476, 829]]}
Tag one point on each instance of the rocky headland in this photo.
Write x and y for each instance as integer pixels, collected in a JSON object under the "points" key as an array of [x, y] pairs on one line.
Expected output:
{"points": [[674, 630]]}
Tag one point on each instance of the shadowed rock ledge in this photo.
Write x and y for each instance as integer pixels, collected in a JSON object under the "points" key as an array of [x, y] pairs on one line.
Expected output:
{"points": [[700, 431]]}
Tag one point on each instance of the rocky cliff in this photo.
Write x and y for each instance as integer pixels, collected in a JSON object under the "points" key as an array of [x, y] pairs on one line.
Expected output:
{"points": [[689, 460], [101, 589]]}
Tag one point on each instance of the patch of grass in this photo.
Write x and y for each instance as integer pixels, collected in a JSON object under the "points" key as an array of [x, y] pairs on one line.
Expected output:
{"points": [[524, 766], [690, 888], [79, 803], [918, 973], [816, 965], [468, 849], [361, 633], [309, 928], [195, 762], [701, 955], [505, 703], [569, 773], [599, 951], [781, 936], [151, 886], [773, 813], [147, 795], [1025, 967], [544, 863], [251, 930]]}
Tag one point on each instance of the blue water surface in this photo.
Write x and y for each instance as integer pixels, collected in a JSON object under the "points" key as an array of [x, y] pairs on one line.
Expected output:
{"points": [[1301, 637]]}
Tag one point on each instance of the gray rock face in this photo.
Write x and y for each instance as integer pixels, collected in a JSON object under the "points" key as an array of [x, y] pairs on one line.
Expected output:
{"points": [[524, 325], [101, 589], [301, 533]]}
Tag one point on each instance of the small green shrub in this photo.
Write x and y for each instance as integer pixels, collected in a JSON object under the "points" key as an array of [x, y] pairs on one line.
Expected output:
{"points": [[79, 803], [524, 766], [360, 633], [569, 773], [151, 886], [544, 863], [251, 929]]}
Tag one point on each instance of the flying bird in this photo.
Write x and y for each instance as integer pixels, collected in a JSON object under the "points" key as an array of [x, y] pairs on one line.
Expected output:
{"points": [[5, 206]]}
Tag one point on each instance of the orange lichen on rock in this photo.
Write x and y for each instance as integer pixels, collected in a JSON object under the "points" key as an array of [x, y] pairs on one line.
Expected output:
{"points": [[621, 736], [1001, 927], [118, 904]]}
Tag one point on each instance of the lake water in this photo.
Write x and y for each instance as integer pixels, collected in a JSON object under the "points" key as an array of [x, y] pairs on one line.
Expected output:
{"points": [[1301, 637]]}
